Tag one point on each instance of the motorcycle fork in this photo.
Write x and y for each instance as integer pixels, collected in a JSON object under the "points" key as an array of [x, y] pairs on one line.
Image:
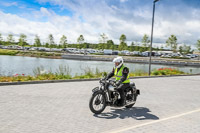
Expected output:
{"points": [[107, 95]]}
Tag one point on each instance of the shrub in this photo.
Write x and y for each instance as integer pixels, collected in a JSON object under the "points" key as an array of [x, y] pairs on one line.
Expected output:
{"points": [[167, 71]]}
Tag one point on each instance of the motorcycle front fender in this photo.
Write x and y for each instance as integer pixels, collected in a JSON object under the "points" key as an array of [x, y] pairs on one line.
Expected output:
{"points": [[95, 89]]}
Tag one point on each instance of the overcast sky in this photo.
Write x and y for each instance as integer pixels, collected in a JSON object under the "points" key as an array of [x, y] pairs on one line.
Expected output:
{"points": [[94, 17]]}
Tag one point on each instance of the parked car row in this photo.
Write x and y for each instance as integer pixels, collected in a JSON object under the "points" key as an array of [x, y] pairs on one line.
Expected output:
{"points": [[167, 54], [17, 47], [12, 47], [189, 56]]}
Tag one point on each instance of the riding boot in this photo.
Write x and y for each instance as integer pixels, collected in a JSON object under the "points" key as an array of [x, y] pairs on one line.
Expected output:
{"points": [[122, 102], [122, 94]]}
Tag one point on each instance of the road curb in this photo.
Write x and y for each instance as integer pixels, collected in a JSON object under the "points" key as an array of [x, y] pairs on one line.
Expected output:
{"points": [[81, 80]]}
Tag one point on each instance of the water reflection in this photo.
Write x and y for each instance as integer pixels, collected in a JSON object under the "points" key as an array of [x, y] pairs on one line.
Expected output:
{"points": [[10, 65]]}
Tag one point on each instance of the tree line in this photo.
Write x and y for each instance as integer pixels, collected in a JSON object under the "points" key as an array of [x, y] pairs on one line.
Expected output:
{"points": [[104, 43]]}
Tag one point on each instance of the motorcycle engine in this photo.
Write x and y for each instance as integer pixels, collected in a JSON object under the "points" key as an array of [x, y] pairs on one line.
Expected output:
{"points": [[115, 96]]}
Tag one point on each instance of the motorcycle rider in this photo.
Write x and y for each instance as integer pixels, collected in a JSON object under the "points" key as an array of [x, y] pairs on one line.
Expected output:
{"points": [[121, 73]]}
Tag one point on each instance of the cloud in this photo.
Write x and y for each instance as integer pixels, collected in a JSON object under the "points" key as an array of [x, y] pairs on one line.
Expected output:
{"points": [[123, 1], [56, 25], [91, 18], [8, 4]]}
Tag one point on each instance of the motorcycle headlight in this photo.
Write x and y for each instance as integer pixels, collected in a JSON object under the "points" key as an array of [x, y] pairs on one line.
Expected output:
{"points": [[102, 87], [111, 88]]}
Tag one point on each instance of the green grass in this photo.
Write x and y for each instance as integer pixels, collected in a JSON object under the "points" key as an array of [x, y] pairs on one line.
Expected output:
{"points": [[8, 52], [32, 54]]}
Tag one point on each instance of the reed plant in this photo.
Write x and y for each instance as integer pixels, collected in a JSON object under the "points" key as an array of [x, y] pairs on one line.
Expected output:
{"points": [[138, 72], [64, 72]]}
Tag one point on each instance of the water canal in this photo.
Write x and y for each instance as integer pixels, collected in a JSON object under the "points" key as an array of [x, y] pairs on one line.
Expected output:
{"points": [[11, 65]]}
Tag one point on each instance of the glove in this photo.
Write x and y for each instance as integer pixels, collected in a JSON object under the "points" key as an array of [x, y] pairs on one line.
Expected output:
{"points": [[107, 78]]}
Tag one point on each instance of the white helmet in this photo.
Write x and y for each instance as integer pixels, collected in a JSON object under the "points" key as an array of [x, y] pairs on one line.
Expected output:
{"points": [[119, 60]]}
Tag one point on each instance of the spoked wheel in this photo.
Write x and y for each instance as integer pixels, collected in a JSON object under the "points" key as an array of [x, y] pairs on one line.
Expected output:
{"points": [[131, 98], [97, 102]]}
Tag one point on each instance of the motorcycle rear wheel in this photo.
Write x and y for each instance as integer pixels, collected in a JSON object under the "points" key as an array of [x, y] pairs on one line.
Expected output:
{"points": [[97, 102], [134, 99]]}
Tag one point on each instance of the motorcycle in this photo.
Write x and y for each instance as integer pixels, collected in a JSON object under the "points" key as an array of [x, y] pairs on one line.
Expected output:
{"points": [[107, 95]]}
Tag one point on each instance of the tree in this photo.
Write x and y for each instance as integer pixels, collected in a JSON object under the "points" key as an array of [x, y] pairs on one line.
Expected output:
{"points": [[51, 40], [103, 38], [37, 42], [47, 45], [186, 49], [157, 49], [181, 49], [132, 46], [10, 39], [80, 39], [122, 38], [198, 45], [172, 42], [102, 41], [141, 49], [162, 48], [22, 40], [1, 40], [122, 45], [63, 41], [145, 41], [101, 46], [110, 44]]}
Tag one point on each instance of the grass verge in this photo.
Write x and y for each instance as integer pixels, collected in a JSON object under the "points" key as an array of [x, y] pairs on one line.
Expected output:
{"points": [[63, 73]]}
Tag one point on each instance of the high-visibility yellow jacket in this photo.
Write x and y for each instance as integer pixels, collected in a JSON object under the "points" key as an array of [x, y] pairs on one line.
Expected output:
{"points": [[118, 75]]}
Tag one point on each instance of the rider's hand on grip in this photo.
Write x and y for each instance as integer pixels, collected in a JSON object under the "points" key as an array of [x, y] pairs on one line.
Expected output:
{"points": [[112, 83]]}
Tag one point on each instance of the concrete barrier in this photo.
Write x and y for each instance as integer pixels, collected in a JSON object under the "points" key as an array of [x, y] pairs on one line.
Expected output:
{"points": [[161, 62]]}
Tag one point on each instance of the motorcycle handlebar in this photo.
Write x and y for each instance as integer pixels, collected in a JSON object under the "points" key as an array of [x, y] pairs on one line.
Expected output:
{"points": [[113, 83]]}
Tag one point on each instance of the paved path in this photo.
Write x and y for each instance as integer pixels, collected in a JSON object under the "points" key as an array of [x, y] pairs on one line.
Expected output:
{"points": [[165, 105]]}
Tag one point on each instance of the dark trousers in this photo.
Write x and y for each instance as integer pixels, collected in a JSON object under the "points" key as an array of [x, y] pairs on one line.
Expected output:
{"points": [[121, 89]]}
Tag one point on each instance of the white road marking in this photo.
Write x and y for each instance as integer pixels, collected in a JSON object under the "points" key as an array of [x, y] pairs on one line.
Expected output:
{"points": [[152, 122]]}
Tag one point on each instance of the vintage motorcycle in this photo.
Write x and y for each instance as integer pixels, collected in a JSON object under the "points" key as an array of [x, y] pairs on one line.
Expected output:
{"points": [[107, 95]]}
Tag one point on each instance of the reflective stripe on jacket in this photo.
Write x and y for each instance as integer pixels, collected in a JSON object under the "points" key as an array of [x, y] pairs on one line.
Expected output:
{"points": [[119, 74]]}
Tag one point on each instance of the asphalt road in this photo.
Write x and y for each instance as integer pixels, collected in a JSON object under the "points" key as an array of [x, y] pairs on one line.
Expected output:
{"points": [[170, 104]]}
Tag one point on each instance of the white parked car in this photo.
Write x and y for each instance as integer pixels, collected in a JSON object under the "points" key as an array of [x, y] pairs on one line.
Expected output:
{"points": [[107, 51], [56, 50], [33, 49]]}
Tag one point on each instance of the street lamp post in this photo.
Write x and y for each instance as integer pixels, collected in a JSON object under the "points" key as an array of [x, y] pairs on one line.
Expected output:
{"points": [[152, 36]]}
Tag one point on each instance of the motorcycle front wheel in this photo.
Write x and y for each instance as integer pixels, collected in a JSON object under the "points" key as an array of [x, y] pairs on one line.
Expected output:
{"points": [[97, 102]]}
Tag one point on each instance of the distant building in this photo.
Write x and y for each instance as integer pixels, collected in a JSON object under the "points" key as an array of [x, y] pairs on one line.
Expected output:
{"points": [[165, 52], [196, 52]]}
